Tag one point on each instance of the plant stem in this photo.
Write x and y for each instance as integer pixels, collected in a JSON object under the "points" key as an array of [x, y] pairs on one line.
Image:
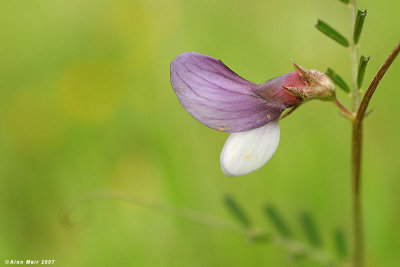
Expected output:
{"points": [[355, 93], [356, 145], [356, 156], [357, 216]]}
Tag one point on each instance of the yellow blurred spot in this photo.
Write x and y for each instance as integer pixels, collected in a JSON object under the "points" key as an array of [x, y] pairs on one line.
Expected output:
{"points": [[32, 122], [129, 21], [90, 91], [142, 26], [269, 116], [139, 175], [221, 129], [155, 20], [139, 32]]}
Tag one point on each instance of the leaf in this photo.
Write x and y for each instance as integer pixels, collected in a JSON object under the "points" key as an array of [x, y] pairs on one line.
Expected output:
{"points": [[361, 70], [310, 230], [296, 257], [340, 243], [237, 212], [259, 238], [275, 218], [359, 25], [332, 33], [344, 1], [338, 80]]}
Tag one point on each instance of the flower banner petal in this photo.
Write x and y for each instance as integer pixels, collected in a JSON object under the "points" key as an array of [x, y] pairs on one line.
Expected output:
{"points": [[217, 97], [247, 151]]}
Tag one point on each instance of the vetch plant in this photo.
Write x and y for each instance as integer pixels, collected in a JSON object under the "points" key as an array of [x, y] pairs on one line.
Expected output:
{"points": [[222, 100]]}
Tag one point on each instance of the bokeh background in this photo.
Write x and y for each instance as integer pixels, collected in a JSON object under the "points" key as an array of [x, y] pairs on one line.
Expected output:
{"points": [[86, 104]]}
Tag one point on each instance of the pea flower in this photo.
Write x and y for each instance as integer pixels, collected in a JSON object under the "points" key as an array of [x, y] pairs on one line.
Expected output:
{"points": [[222, 100]]}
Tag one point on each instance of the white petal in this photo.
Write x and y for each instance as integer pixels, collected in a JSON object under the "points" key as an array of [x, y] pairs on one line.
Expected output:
{"points": [[245, 152]]}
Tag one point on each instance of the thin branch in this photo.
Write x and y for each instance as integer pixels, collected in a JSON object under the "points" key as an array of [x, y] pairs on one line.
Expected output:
{"points": [[345, 111], [375, 82]]}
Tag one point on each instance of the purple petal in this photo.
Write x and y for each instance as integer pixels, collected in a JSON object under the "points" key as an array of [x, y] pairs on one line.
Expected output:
{"points": [[219, 98]]}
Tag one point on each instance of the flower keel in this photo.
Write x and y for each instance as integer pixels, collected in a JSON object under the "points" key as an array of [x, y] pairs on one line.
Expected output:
{"points": [[247, 151]]}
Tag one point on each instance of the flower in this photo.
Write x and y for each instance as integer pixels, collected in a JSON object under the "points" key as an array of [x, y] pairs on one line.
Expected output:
{"points": [[222, 100]]}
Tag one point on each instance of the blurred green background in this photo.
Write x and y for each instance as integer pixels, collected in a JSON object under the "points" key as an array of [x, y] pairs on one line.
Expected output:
{"points": [[86, 104]]}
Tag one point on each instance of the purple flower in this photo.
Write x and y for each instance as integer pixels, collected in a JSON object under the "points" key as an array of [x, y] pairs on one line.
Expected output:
{"points": [[222, 100]]}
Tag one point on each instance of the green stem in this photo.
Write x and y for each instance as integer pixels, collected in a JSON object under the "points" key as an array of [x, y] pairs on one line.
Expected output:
{"points": [[355, 93], [356, 145]]}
